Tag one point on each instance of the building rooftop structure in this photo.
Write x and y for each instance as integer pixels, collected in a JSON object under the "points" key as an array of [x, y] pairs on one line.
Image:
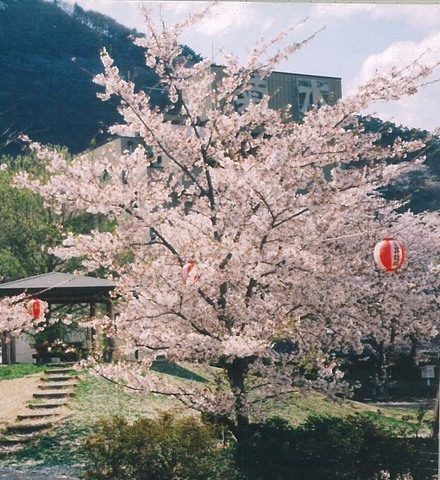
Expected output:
{"points": [[300, 91]]}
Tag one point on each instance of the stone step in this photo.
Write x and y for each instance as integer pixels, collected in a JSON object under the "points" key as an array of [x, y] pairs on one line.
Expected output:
{"points": [[36, 416], [54, 394], [57, 371], [16, 439], [56, 386], [30, 427], [60, 364], [59, 378], [46, 405]]}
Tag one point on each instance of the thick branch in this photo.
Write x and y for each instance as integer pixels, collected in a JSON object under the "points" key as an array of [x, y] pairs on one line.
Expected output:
{"points": [[167, 245]]}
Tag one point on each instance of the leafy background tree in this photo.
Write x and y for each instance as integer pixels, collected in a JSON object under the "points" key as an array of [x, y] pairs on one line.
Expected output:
{"points": [[31, 227], [28, 230]]}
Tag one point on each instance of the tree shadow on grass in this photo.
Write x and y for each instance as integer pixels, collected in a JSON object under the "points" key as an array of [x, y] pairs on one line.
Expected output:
{"points": [[170, 368]]}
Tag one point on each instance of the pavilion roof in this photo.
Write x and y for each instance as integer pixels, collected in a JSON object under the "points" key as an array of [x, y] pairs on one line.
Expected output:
{"points": [[56, 287]]}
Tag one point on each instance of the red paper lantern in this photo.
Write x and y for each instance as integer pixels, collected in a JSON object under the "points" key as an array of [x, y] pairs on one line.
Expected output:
{"points": [[389, 254], [186, 270], [36, 308]]}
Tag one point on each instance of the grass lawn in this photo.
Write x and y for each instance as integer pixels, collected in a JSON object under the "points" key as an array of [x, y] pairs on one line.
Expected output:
{"points": [[98, 398], [19, 370]]}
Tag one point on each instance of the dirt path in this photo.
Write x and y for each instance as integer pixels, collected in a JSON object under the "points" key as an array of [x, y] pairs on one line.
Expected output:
{"points": [[14, 396]]}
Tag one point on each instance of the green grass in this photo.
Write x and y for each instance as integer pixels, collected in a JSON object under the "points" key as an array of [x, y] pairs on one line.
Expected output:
{"points": [[97, 398], [405, 421], [19, 370]]}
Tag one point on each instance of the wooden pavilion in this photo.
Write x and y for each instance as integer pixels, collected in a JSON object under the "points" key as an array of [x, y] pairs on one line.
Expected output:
{"points": [[57, 289]]}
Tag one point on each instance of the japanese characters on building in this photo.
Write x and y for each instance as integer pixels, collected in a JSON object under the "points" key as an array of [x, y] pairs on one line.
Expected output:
{"points": [[301, 91]]}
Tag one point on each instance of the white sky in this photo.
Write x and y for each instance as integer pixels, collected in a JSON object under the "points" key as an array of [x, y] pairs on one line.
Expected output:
{"points": [[358, 40]]}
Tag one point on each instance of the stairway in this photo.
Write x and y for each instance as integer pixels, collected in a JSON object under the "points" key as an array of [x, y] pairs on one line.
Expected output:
{"points": [[49, 406]]}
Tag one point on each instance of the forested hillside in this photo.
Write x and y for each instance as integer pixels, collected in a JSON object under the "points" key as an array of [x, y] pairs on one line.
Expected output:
{"points": [[48, 57], [421, 188]]}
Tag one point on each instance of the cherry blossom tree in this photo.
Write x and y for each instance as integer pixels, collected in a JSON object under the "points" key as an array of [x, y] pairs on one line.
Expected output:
{"points": [[14, 315], [254, 229], [401, 308]]}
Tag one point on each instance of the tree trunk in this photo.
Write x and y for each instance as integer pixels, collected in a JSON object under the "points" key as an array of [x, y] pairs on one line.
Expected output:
{"points": [[237, 371], [382, 370]]}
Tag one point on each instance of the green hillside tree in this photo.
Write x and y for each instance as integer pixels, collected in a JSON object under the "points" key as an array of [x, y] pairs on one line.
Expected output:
{"points": [[28, 229]]}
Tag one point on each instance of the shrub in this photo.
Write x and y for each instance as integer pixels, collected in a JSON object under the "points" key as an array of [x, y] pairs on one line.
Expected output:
{"points": [[165, 448], [323, 448], [351, 447]]}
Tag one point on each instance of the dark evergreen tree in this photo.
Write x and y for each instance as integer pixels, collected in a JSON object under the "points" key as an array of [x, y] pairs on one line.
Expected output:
{"points": [[47, 61]]}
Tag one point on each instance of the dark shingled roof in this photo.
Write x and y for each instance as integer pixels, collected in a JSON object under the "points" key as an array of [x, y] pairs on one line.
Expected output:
{"points": [[59, 287]]}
